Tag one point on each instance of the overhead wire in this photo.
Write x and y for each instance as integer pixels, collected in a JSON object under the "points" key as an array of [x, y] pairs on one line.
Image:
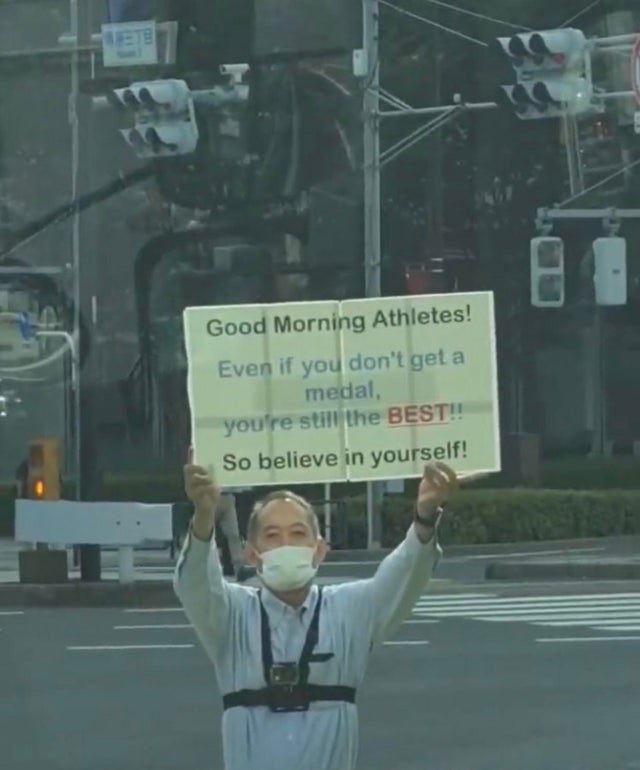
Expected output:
{"points": [[476, 15], [444, 28], [580, 13]]}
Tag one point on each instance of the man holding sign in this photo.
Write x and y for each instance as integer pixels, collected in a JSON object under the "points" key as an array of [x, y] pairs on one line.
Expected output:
{"points": [[290, 656]]}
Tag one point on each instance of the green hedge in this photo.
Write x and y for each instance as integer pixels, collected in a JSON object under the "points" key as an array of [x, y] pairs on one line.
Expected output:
{"points": [[512, 515], [520, 515]]}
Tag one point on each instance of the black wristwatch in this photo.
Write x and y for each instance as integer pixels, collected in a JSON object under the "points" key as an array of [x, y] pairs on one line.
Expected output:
{"points": [[428, 519]]}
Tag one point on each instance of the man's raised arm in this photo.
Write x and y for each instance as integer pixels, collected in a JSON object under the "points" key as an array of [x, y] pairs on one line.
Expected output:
{"points": [[198, 580], [403, 575]]}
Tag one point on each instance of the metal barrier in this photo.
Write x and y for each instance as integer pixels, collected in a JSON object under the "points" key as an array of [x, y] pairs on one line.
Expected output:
{"points": [[123, 525]]}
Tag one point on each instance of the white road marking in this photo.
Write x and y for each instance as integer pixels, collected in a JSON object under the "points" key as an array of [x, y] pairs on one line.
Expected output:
{"points": [[405, 644], [605, 627], [615, 611], [589, 620], [455, 597], [121, 647], [421, 622], [537, 610], [572, 639], [152, 627], [11, 612], [154, 609], [565, 598]]}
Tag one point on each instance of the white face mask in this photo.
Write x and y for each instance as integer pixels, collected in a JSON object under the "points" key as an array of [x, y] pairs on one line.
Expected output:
{"points": [[288, 567]]}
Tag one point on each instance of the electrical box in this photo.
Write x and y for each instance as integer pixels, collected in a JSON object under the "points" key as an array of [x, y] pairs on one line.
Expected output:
{"points": [[610, 271]]}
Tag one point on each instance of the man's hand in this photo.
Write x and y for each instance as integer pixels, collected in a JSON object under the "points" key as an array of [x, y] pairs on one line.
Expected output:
{"points": [[436, 486], [202, 491]]}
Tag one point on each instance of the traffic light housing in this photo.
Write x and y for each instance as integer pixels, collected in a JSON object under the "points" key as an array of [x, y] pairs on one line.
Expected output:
{"points": [[164, 117], [43, 472], [610, 274], [547, 272], [553, 74]]}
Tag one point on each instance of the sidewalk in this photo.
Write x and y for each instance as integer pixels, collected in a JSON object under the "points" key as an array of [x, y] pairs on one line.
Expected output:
{"points": [[613, 558], [153, 586], [567, 567], [616, 558], [150, 564]]}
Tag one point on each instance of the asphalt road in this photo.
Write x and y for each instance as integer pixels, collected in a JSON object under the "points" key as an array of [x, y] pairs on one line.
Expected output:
{"points": [[533, 678]]}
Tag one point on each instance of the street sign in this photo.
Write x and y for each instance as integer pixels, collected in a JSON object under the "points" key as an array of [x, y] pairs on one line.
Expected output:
{"points": [[635, 69], [129, 44]]}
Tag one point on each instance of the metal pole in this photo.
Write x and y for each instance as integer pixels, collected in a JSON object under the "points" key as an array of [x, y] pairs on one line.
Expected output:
{"points": [[327, 514], [372, 242], [610, 213], [471, 107], [576, 184], [75, 165], [630, 38], [81, 19]]}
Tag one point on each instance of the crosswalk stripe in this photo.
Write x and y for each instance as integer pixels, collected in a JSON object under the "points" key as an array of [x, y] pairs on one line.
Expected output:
{"points": [[523, 613], [616, 612], [600, 627], [577, 639], [457, 597], [590, 620], [544, 620], [420, 622], [526, 600]]}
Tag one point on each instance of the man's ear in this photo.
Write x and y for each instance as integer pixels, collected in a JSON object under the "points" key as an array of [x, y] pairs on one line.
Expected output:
{"points": [[322, 549], [251, 555]]}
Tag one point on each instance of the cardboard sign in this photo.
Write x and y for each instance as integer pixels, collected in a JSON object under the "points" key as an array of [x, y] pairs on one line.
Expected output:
{"points": [[334, 391]]}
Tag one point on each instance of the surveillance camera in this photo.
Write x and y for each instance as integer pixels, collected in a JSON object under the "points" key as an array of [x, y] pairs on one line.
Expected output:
{"points": [[234, 70]]}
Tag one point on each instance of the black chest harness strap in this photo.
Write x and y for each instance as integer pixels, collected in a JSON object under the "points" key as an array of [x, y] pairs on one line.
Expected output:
{"points": [[287, 684]]}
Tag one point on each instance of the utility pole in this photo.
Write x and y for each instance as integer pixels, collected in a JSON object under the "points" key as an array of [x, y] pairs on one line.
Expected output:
{"points": [[372, 236], [83, 265], [435, 223], [593, 337]]}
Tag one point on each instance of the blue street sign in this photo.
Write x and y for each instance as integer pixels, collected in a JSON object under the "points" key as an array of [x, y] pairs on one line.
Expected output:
{"points": [[129, 44], [26, 330]]}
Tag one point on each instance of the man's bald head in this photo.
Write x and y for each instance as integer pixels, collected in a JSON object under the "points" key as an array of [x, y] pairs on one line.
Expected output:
{"points": [[277, 503]]}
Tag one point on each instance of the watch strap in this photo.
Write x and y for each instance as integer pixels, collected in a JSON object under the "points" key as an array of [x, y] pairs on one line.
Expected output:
{"points": [[428, 519]]}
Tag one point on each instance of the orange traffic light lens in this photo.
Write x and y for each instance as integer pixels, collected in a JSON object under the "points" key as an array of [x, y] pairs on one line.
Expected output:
{"points": [[38, 488]]}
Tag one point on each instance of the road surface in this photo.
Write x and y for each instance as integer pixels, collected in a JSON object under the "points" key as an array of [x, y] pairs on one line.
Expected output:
{"points": [[527, 677]]}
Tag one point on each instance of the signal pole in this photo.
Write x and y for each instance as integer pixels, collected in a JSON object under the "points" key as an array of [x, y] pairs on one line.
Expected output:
{"points": [[372, 203], [83, 283]]}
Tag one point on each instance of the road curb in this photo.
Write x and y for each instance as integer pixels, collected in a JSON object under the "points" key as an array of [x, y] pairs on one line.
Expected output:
{"points": [[140, 594], [574, 570]]}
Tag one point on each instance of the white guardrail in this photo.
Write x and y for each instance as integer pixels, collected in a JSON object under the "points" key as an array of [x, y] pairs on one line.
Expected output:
{"points": [[123, 525]]}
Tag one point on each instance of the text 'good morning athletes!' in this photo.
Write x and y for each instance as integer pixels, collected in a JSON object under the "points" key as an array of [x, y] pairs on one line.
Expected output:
{"points": [[391, 319]]}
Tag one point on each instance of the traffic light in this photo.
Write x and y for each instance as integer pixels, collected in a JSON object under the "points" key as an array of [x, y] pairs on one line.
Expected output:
{"points": [[553, 74], [164, 117], [43, 472], [547, 272], [610, 275]]}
